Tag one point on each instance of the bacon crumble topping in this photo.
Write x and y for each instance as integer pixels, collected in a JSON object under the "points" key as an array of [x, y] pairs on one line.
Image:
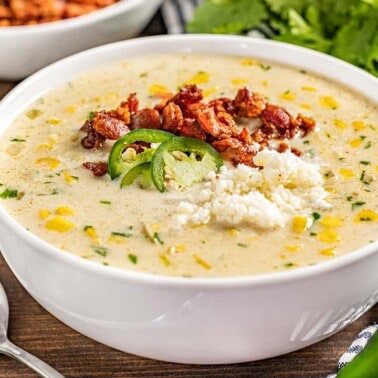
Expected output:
{"points": [[215, 122]]}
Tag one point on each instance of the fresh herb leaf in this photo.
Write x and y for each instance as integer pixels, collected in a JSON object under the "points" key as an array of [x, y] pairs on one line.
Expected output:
{"points": [[132, 258], [156, 237], [9, 193], [357, 204], [102, 251], [316, 216]]}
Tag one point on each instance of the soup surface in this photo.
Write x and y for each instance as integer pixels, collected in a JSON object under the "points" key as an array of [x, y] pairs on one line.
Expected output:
{"points": [[326, 208]]}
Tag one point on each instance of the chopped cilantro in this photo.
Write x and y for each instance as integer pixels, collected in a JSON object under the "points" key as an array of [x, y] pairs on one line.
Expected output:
{"points": [[122, 234], [104, 202], [9, 193], [242, 245], [156, 237], [346, 29], [367, 145], [132, 258], [102, 251], [357, 204]]}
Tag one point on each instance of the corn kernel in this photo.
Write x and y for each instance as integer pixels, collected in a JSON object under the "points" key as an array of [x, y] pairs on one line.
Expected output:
{"points": [[59, 224], [293, 248], [201, 261], [210, 91], [233, 231], [115, 239], [54, 121], [339, 123], [358, 125], [64, 210], [164, 260], [366, 215], [70, 109], [331, 222], [328, 102], [355, 143], [328, 252], [158, 90], [248, 62], [68, 178], [328, 236], [299, 224], [264, 83], [200, 78], [238, 81], [346, 173], [288, 96], [305, 106], [329, 189], [45, 147], [91, 232], [50, 163], [44, 214], [308, 89]]}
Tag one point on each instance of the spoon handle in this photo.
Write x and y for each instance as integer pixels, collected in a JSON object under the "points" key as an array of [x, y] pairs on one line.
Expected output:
{"points": [[34, 363]]}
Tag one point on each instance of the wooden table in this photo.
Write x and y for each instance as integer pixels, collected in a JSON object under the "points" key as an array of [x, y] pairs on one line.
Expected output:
{"points": [[76, 356]]}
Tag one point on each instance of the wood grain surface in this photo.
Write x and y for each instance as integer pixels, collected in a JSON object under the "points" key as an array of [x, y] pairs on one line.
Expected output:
{"points": [[76, 356]]}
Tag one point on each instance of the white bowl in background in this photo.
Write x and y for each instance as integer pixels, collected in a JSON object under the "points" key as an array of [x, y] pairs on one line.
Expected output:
{"points": [[26, 49], [197, 320]]}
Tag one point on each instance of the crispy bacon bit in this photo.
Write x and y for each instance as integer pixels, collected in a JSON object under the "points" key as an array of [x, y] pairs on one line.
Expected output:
{"points": [[30, 12], [98, 169], [306, 124], [191, 129], [188, 95], [278, 122], [173, 119], [93, 140], [133, 103], [186, 114], [248, 104], [145, 119], [108, 126]]}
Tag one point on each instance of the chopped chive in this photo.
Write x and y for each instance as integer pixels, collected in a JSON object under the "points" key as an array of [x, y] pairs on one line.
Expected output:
{"points": [[121, 234], [9, 193], [365, 162], [105, 263], [242, 245], [104, 202], [143, 74], [90, 116], [365, 219], [18, 140], [306, 142], [313, 233], [87, 227], [102, 251], [265, 67], [132, 258], [362, 137], [157, 238], [357, 204], [316, 216], [367, 145], [289, 265]]}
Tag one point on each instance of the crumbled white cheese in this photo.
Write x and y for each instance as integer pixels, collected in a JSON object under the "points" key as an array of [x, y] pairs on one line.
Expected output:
{"points": [[266, 198]]}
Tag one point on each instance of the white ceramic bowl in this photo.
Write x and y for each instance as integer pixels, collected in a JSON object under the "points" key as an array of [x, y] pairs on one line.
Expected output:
{"points": [[26, 49], [212, 320]]}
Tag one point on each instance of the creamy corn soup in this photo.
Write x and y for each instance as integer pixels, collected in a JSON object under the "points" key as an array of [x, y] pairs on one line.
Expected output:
{"points": [[293, 210]]}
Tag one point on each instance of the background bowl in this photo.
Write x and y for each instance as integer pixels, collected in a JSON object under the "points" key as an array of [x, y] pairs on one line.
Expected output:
{"points": [[25, 49], [197, 320]]}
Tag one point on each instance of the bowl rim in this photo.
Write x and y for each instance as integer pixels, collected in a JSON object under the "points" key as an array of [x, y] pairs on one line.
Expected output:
{"points": [[274, 278], [109, 11]]}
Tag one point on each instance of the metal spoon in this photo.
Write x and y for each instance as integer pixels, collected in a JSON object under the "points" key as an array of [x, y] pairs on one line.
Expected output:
{"points": [[11, 350]]}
